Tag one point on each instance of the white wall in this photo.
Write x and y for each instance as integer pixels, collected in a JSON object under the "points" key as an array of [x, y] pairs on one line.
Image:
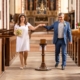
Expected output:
{"points": [[64, 6], [18, 6], [72, 6], [12, 7]]}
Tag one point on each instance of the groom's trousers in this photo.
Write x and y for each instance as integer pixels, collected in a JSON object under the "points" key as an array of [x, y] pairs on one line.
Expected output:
{"points": [[60, 44]]}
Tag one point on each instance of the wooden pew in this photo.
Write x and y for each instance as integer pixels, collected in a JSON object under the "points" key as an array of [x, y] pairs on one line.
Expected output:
{"points": [[76, 46], [72, 48], [75, 49], [0, 56], [8, 47], [78, 51], [10, 44]]}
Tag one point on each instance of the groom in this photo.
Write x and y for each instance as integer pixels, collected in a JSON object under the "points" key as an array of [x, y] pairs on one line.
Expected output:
{"points": [[62, 34]]}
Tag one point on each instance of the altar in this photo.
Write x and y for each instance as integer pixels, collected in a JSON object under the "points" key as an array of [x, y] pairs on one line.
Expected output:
{"points": [[41, 11]]}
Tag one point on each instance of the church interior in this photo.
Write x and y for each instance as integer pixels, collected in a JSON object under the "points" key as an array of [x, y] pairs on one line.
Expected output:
{"points": [[41, 59]]}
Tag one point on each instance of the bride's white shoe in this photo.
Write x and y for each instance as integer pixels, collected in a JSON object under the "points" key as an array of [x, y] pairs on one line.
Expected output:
{"points": [[21, 68]]}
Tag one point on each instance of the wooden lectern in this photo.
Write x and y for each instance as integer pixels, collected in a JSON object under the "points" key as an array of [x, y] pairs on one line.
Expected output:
{"points": [[43, 65]]}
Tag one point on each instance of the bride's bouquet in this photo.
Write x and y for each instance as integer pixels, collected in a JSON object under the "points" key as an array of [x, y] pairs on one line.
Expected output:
{"points": [[18, 32]]}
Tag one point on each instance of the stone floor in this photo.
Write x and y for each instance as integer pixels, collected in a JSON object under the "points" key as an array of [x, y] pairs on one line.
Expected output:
{"points": [[35, 41], [72, 71]]}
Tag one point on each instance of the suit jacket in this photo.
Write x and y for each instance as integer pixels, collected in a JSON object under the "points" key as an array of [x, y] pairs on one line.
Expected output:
{"points": [[66, 33]]}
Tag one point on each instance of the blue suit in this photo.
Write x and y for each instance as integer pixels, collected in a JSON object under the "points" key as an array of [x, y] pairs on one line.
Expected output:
{"points": [[60, 43]]}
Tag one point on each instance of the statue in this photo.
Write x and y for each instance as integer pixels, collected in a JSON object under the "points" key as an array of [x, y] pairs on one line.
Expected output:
{"points": [[42, 6]]}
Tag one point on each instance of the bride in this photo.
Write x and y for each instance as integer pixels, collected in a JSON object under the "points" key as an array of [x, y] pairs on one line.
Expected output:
{"points": [[22, 41]]}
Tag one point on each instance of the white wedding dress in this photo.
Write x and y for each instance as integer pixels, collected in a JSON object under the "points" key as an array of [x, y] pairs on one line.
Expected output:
{"points": [[22, 42]]}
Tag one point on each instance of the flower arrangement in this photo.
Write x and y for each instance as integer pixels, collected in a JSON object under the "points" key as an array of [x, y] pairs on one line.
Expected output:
{"points": [[78, 25], [18, 32]]}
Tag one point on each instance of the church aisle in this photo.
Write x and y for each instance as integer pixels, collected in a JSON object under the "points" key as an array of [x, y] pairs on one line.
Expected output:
{"points": [[72, 72]]}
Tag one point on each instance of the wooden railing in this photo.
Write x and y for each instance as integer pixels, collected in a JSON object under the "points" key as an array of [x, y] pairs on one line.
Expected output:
{"points": [[74, 49]]}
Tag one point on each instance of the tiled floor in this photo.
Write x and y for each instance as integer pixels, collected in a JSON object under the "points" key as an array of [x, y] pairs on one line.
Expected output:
{"points": [[72, 72]]}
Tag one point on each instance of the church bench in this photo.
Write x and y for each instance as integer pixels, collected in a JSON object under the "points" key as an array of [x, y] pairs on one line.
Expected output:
{"points": [[78, 51], [0, 55], [8, 47], [75, 51]]}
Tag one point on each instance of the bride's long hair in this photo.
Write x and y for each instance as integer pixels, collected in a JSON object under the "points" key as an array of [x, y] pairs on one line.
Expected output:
{"points": [[19, 21]]}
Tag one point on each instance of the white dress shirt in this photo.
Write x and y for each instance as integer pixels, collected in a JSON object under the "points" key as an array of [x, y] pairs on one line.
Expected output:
{"points": [[60, 30]]}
